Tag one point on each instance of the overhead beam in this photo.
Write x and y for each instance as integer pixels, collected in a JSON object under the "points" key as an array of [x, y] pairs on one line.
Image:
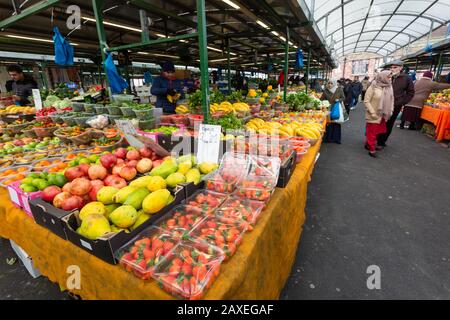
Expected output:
{"points": [[38, 7], [152, 42]]}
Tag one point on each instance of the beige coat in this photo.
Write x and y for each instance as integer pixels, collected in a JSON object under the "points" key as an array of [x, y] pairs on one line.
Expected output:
{"points": [[371, 102], [423, 87]]}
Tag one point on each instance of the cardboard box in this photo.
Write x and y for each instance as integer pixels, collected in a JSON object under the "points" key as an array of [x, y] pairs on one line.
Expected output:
{"points": [[26, 260], [49, 216], [104, 248]]}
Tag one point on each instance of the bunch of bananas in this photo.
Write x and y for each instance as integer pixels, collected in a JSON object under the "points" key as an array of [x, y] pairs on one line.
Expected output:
{"points": [[174, 98], [18, 109], [226, 107], [309, 130], [181, 109]]}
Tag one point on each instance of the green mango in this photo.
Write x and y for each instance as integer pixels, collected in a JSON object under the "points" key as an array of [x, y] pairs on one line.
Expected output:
{"points": [[136, 198]]}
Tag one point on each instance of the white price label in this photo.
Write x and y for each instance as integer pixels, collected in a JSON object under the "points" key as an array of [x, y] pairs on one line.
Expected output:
{"points": [[208, 143], [37, 99], [129, 131]]}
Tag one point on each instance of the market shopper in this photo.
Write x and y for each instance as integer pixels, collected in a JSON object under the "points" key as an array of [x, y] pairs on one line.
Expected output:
{"points": [[348, 92], [356, 92], [403, 88], [20, 85], [365, 85], [333, 93], [412, 110], [166, 87], [379, 105]]}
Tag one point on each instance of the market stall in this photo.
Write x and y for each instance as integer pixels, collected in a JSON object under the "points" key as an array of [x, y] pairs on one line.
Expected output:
{"points": [[437, 111]]}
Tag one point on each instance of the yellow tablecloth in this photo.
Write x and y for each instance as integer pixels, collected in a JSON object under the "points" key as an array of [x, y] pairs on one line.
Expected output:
{"points": [[258, 270]]}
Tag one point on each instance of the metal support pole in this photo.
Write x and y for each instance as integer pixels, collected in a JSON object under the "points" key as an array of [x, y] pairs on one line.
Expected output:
{"points": [[439, 69], [286, 64], [229, 66], [417, 65], [98, 13], [144, 26], [202, 46], [308, 69]]}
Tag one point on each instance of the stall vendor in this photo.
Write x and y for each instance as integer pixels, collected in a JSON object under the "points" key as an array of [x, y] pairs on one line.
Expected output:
{"points": [[20, 85], [167, 89]]}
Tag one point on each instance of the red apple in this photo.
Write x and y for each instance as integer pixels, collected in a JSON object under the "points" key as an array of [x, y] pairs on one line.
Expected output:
{"points": [[87, 198], [108, 160], [133, 155], [93, 193], [132, 163], [72, 203], [120, 153], [128, 173], [97, 183], [116, 169], [115, 181], [145, 152], [66, 187], [73, 173], [120, 161], [157, 163], [85, 168], [60, 199], [80, 187], [49, 193], [144, 165], [97, 172]]}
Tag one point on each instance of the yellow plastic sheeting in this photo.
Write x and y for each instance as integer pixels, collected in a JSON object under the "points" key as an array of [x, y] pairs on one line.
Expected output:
{"points": [[258, 270]]}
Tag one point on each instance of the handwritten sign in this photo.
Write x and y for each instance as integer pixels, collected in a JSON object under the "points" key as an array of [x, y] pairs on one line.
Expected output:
{"points": [[37, 99], [130, 133], [208, 143]]}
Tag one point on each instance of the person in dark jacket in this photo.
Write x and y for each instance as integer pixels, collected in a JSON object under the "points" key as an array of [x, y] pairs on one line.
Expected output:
{"points": [[333, 93], [348, 92], [20, 85], [356, 91], [165, 86], [403, 93]]}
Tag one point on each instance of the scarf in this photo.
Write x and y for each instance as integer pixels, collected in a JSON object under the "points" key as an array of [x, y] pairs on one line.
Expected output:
{"points": [[385, 107], [334, 87]]}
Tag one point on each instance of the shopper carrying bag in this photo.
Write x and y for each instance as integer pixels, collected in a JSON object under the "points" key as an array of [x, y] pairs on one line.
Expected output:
{"points": [[335, 95]]}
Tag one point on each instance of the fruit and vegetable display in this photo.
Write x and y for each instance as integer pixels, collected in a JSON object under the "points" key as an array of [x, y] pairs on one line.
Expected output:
{"points": [[440, 100], [13, 109]]}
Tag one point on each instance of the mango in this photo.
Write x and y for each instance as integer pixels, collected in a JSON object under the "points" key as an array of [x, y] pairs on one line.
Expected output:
{"points": [[105, 195], [174, 179], [124, 216], [207, 167], [140, 220], [94, 226], [193, 175], [156, 201], [156, 183], [122, 195], [165, 169], [116, 229], [141, 182], [92, 208], [184, 167], [187, 158], [110, 208], [136, 198]]}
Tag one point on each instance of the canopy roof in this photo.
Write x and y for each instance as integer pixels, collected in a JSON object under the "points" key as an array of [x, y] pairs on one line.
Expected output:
{"points": [[379, 26]]}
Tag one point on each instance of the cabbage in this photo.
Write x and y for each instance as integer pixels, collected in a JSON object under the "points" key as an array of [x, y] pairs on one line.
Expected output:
{"points": [[64, 103]]}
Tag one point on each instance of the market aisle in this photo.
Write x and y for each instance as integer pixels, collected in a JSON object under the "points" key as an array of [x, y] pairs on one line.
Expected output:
{"points": [[393, 212]]}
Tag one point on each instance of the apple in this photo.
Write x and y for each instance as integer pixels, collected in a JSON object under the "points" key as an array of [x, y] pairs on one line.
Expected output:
{"points": [[97, 172], [108, 160], [66, 187], [145, 152], [97, 183], [73, 173], [87, 198], [115, 181], [120, 153], [85, 168], [133, 155], [128, 173], [94, 190], [120, 161], [132, 163], [72, 203], [49, 193], [80, 187], [144, 165], [116, 169], [60, 199], [157, 163]]}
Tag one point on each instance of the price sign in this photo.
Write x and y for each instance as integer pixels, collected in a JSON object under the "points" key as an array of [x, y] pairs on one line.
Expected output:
{"points": [[130, 133], [157, 113], [208, 143], [37, 99]]}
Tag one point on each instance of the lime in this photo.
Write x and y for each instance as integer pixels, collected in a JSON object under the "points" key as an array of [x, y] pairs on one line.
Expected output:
{"points": [[60, 180], [98, 161], [84, 161], [27, 180], [37, 182], [72, 163], [93, 158], [33, 176], [28, 188], [43, 175], [42, 185], [77, 159]]}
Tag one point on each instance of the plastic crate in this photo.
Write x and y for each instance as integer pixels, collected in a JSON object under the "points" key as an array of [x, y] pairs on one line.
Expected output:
{"points": [[21, 199]]}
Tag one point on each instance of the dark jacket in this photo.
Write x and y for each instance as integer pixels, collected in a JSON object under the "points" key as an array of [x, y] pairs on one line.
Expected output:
{"points": [[356, 88], [403, 90], [348, 92], [332, 97], [159, 89], [22, 88]]}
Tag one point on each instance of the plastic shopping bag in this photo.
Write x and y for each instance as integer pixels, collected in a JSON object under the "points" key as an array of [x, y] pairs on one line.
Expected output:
{"points": [[116, 82], [335, 111], [63, 49], [343, 116]]}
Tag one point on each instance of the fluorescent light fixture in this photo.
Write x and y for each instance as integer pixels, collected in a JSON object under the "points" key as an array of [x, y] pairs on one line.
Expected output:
{"points": [[184, 41], [34, 39], [283, 38], [146, 53], [157, 55], [296, 47], [275, 33], [220, 60], [231, 4], [160, 35], [214, 49], [118, 25], [262, 24], [290, 43]]}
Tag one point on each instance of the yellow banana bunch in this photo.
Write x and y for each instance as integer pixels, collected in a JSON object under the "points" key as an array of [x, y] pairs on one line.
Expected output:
{"points": [[181, 109]]}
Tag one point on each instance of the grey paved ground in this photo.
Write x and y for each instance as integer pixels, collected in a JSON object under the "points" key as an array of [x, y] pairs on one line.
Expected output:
{"points": [[393, 212]]}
